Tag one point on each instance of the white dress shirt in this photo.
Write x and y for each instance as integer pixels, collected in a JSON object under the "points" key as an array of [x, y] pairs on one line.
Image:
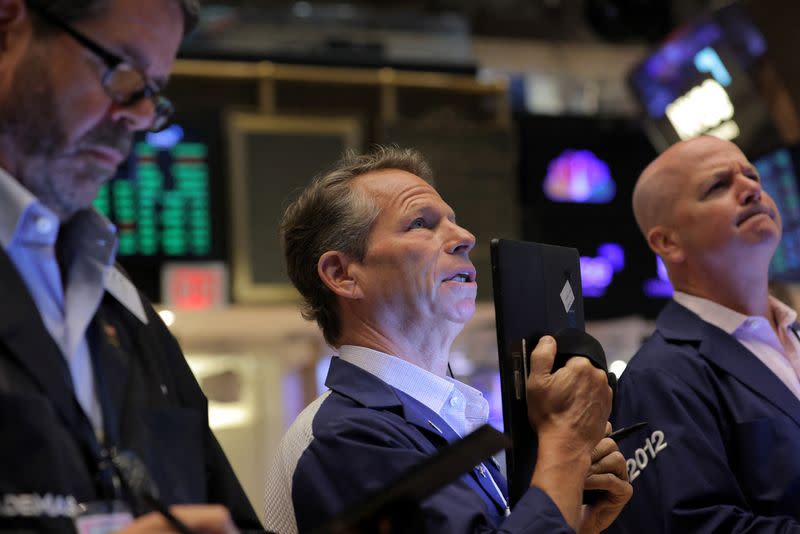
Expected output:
{"points": [[462, 407]]}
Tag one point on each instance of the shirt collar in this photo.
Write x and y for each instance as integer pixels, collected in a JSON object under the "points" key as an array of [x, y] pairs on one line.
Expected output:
{"points": [[18, 205], [784, 315], [24, 219], [727, 319], [92, 235], [720, 316], [428, 388]]}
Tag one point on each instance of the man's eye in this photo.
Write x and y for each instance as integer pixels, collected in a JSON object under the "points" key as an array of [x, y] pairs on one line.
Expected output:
{"points": [[419, 222], [716, 185]]}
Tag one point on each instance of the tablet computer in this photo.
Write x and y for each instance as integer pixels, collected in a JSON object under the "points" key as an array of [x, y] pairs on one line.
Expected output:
{"points": [[537, 291]]}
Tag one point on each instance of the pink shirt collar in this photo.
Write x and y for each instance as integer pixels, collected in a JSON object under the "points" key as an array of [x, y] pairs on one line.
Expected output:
{"points": [[728, 320]]}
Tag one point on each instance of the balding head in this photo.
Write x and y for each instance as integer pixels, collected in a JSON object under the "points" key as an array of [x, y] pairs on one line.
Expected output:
{"points": [[702, 209], [661, 182]]}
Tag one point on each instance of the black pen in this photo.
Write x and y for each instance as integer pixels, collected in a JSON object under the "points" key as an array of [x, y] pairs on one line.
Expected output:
{"points": [[622, 433]]}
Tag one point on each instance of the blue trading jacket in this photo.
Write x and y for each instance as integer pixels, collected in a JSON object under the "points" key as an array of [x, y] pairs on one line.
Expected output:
{"points": [[363, 434], [722, 450]]}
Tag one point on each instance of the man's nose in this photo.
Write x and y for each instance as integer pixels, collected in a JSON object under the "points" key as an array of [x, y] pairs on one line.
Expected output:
{"points": [[463, 240], [750, 191], [137, 116]]}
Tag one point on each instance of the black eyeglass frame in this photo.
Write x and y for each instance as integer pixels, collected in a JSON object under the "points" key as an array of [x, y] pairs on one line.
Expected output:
{"points": [[164, 109]]}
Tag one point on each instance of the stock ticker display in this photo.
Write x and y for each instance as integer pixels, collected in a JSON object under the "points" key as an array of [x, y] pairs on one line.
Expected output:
{"points": [[778, 171], [160, 199]]}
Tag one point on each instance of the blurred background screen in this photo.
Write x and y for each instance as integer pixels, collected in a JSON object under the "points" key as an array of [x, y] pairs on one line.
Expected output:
{"points": [[577, 177], [168, 200]]}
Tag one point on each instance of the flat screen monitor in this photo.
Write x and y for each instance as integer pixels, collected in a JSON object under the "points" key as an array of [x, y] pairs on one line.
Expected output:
{"points": [[577, 178], [705, 79], [167, 201]]}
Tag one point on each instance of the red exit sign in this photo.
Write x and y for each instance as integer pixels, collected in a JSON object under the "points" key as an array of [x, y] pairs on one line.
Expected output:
{"points": [[195, 286]]}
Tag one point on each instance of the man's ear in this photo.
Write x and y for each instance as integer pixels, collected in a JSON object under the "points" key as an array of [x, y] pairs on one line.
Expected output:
{"points": [[666, 244], [334, 269], [14, 16]]}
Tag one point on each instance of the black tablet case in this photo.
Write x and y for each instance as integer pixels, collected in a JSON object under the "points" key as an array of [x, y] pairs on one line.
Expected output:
{"points": [[530, 300]]}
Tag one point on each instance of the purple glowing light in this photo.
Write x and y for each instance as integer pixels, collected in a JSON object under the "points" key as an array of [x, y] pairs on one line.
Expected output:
{"points": [[661, 269], [659, 287], [596, 275], [656, 288], [579, 176], [614, 253]]}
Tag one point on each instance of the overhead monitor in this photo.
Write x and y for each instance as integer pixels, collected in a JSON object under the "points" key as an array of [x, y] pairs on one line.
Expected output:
{"points": [[577, 180], [708, 79], [167, 201]]}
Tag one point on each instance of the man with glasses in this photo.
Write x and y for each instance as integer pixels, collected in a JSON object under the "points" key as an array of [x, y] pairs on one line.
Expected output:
{"points": [[98, 408]]}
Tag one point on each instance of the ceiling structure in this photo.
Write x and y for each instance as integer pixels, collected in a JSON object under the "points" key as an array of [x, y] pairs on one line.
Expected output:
{"points": [[550, 20]]}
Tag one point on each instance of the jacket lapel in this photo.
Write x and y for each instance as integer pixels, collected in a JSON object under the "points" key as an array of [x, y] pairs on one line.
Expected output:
{"points": [[372, 392], [27, 340], [420, 416], [725, 352]]}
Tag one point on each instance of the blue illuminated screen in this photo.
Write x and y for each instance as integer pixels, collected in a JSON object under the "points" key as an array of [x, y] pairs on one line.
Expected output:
{"points": [[705, 80], [694, 54], [778, 171]]}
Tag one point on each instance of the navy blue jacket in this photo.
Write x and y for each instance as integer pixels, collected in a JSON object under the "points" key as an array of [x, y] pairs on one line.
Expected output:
{"points": [[722, 449], [365, 433]]}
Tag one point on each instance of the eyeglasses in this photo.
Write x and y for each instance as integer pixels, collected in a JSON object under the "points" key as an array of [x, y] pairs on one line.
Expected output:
{"points": [[124, 83]]}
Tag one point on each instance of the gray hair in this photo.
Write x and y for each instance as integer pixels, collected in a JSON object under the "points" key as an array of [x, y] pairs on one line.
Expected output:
{"points": [[331, 215]]}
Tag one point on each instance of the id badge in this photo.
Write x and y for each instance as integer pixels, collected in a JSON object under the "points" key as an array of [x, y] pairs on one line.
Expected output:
{"points": [[102, 517]]}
